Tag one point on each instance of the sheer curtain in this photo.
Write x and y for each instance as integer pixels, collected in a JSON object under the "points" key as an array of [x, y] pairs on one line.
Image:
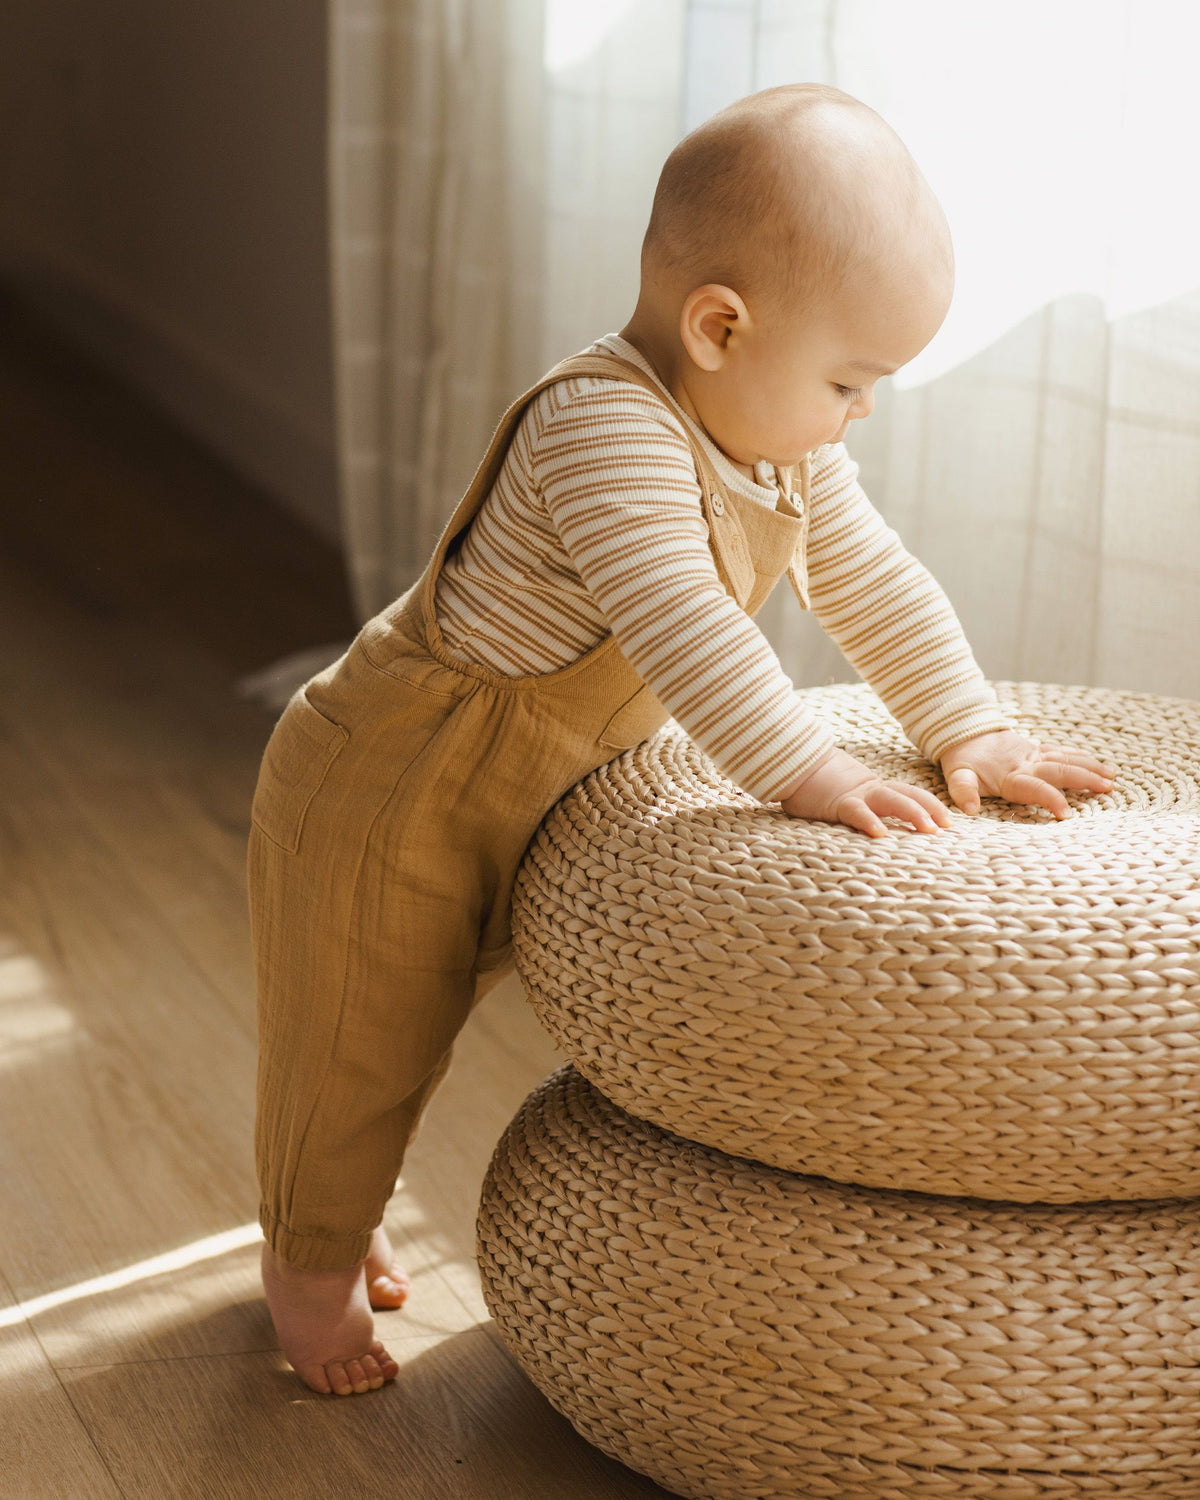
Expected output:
{"points": [[493, 163], [1041, 456], [437, 239]]}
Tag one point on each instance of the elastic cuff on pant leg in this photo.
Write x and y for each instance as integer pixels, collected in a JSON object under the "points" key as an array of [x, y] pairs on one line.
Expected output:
{"points": [[314, 1252]]}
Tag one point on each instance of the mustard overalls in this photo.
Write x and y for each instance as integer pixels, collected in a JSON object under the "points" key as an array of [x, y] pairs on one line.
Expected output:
{"points": [[397, 794]]}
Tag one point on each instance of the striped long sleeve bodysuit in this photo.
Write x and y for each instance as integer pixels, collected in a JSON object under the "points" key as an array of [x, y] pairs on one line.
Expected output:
{"points": [[595, 524]]}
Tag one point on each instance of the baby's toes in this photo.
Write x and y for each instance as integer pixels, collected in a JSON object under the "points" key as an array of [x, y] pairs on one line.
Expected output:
{"points": [[387, 1365], [389, 1289], [315, 1378], [345, 1376], [372, 1370]]}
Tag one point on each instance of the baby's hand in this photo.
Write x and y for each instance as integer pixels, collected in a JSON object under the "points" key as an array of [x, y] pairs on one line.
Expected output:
{"points": [[1003, 763], [841, 789]]}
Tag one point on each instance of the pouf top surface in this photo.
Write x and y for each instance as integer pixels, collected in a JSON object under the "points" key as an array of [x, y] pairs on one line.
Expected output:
{"points": [[1020, 991]]}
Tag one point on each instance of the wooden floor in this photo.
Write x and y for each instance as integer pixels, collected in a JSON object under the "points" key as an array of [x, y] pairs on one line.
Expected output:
{"points": [[138, 579]]}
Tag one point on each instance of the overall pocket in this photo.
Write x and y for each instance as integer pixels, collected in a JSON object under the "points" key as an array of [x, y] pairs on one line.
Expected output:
{"points": [[636, 720], [303, 746]]}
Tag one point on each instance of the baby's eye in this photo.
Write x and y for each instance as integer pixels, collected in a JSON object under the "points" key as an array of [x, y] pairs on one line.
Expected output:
{"points": [[851, 393]]}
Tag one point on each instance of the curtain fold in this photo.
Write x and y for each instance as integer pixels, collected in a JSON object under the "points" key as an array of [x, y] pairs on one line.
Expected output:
{"points": [[436, 189]]}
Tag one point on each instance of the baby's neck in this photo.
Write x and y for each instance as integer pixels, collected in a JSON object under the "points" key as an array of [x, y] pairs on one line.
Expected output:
{"points": [[653, 351], [665, 365]]}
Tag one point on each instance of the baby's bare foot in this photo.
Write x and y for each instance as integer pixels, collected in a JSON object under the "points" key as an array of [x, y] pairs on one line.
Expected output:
{"points": [[387, 1280], [325, 1327]]}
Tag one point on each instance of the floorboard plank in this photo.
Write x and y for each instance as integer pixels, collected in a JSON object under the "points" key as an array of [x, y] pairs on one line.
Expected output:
{"points": [[460, 1422], [46, 1450]]}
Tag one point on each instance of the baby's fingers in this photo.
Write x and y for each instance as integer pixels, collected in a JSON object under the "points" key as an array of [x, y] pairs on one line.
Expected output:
{"points": [[854, 812], [1020, 787], [963, 786], [1062, 759], [935, 809], [899, 800], [1077, 778]]}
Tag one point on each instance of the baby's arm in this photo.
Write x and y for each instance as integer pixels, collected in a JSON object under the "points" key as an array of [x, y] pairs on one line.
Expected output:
{"points": [[618, 480], [897, 627], [888, 614]]}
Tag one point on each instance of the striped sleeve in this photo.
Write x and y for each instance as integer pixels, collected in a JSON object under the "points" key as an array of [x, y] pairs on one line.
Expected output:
{"points": [[618, 479], [889, 616]]}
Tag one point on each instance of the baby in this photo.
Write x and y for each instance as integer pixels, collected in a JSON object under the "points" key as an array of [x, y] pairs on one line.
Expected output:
{"points": [[633, 511]]}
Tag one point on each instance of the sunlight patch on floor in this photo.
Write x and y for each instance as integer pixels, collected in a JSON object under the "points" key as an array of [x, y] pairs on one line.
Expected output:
{"points": [[142, 1270], [30, 1016]]}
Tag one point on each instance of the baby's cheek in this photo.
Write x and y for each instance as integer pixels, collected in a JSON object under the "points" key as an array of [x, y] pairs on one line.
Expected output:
{"points": [[814, 430]]}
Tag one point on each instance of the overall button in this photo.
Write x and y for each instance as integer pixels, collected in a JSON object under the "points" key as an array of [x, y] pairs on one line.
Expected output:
{"points": [[718, 505]]}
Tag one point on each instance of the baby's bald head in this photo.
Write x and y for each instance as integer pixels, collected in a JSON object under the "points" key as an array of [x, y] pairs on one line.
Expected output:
{"points": [[782, 196]]}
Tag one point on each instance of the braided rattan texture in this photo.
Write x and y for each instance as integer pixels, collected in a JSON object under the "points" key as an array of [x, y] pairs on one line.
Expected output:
{"points": [[740, 1333], [1007, 1010]]}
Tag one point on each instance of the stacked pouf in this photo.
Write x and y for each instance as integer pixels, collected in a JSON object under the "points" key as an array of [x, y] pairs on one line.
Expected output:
{"points": [[875, 1171]]}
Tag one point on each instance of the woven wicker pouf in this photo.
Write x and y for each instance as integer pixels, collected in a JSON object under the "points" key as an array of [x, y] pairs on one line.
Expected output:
{"points": [[1009, 1009], [737, 1332]]}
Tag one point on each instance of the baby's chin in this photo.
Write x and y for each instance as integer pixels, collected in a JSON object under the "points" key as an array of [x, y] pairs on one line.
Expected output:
{"points": [[790, 463]]}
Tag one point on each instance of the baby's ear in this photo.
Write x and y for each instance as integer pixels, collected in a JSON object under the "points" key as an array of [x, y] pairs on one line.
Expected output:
{"points": [[709, 315]]}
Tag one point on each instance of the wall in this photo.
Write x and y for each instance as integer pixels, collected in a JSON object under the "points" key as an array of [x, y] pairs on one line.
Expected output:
{"points": [[163, 198]]}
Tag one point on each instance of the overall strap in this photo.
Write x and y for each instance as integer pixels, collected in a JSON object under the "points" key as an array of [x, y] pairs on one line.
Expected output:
{"points": [[710, 481], [720, 515], [797, 571], [609, 365], [605, 366]]}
